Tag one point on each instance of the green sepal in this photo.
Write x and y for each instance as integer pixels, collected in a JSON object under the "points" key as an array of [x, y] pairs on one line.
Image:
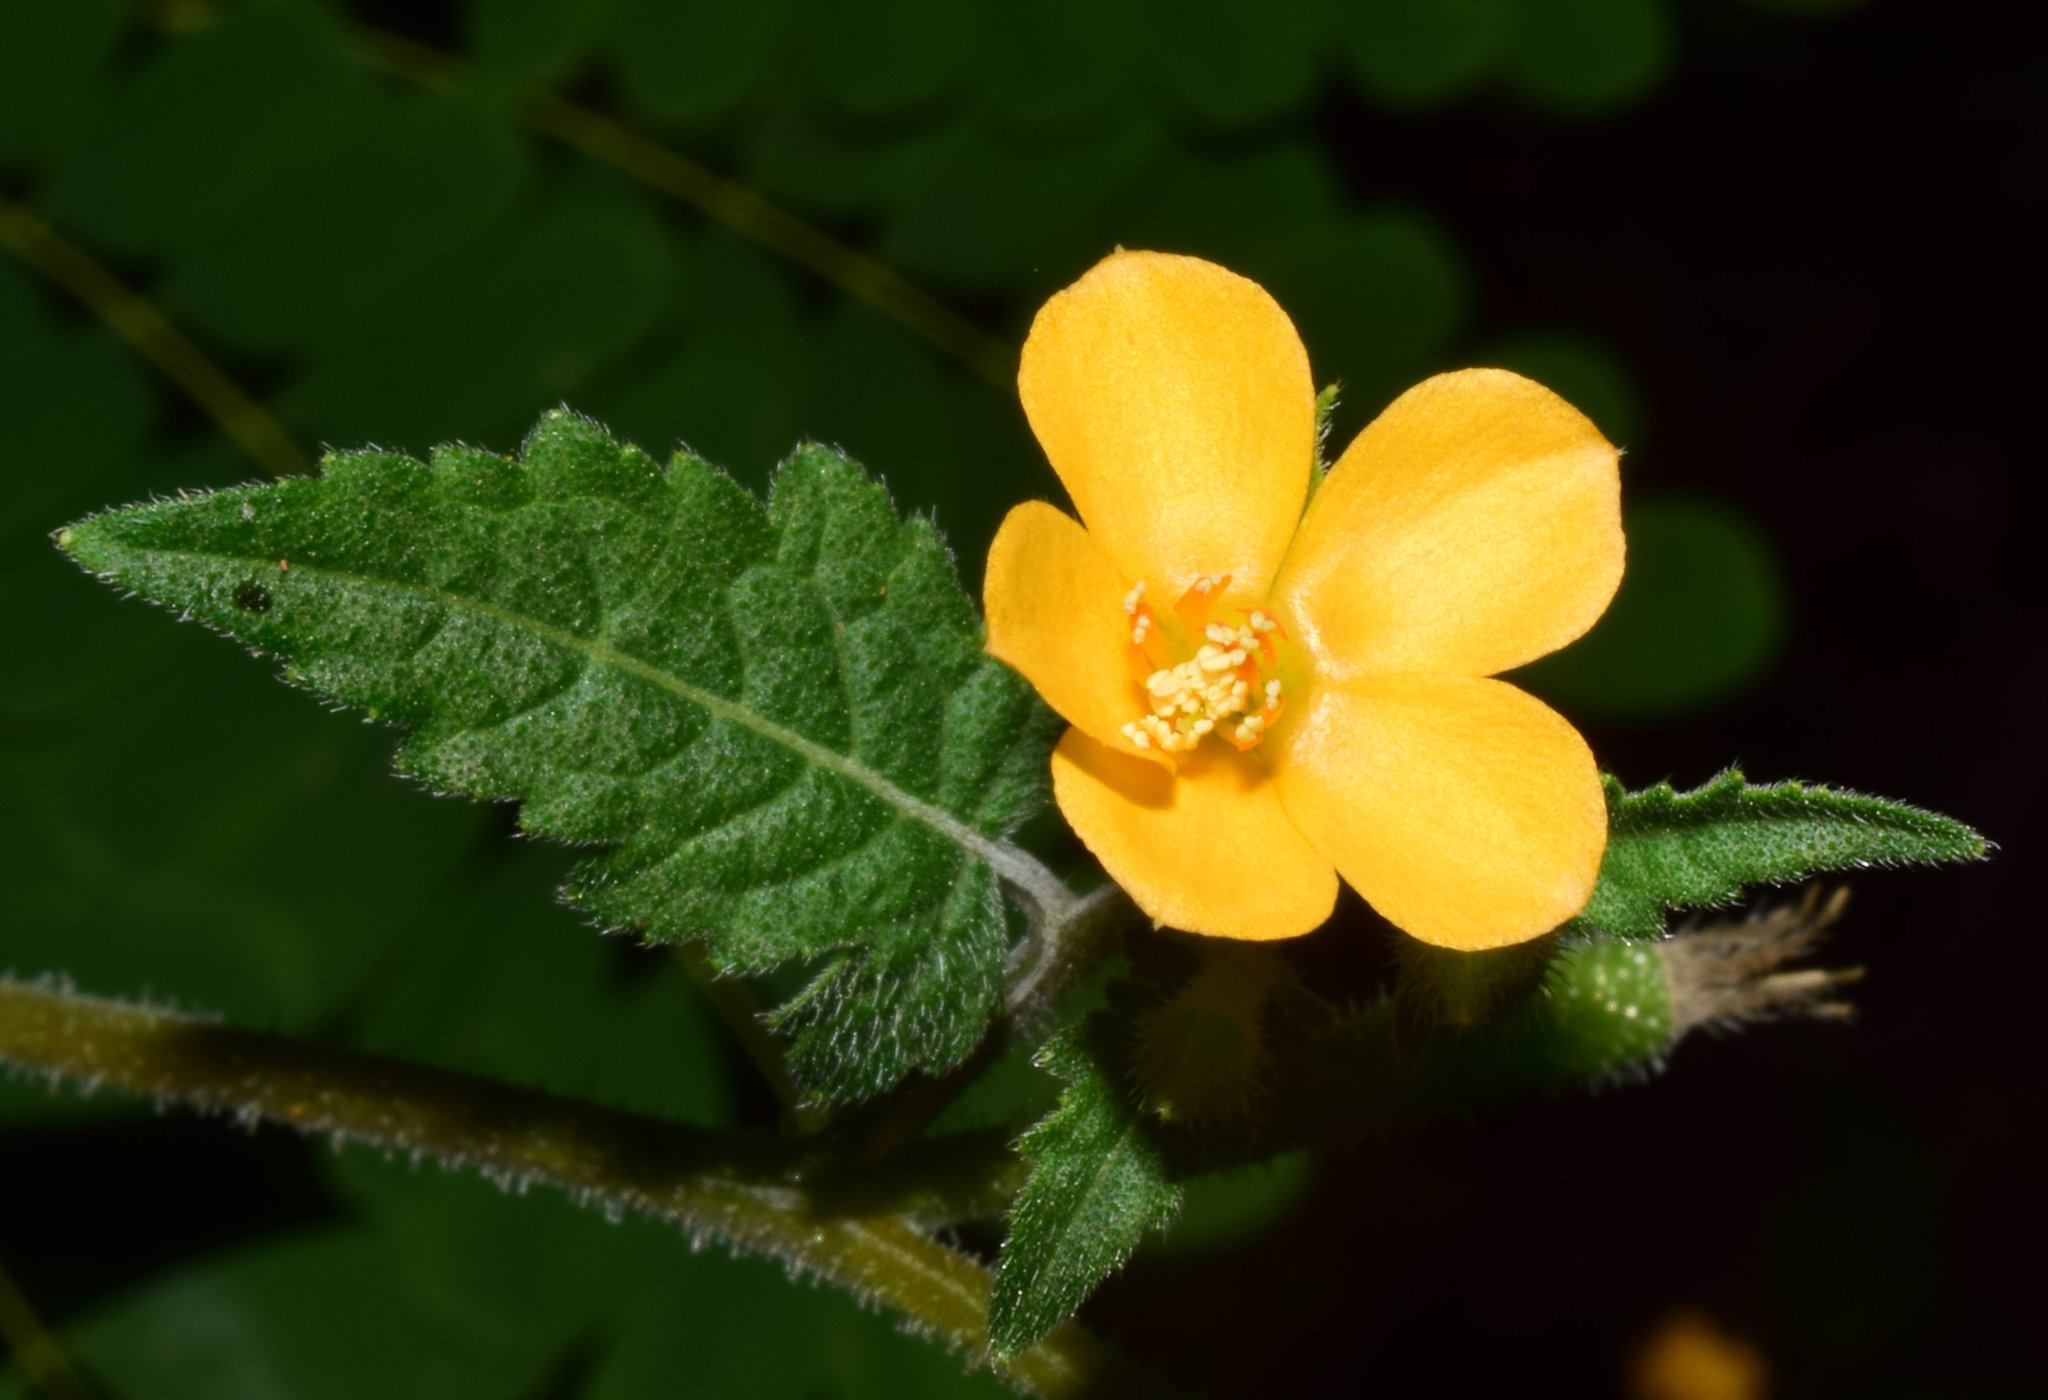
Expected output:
{"points": [[1670, 850], [776, 717], [1098, 1184], [1452, 989], [1326, 407], [1601, 1011]]}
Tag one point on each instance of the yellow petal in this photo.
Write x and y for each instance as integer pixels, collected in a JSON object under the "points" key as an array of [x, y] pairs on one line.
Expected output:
{"points": [[1207, 850], [1466, 812], [1475, 525], [1055, 607], [1173, 398]]}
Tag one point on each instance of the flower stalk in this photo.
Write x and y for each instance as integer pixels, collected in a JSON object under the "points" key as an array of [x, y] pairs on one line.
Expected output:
{"points": [[1063, 945]]}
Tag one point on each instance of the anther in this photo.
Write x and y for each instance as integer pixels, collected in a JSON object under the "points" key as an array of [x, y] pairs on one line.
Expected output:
{"points": [[1221, 689]]}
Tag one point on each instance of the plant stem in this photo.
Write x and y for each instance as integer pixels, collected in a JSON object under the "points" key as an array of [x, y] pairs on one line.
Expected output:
{"points": [[611, 142], [133, 317], [740, 1011], [1063, 945], [763, 1195]]}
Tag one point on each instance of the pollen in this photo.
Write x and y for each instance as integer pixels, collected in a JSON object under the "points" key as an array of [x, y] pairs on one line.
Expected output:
{"points": [[1138, 613], [1221, 689]]}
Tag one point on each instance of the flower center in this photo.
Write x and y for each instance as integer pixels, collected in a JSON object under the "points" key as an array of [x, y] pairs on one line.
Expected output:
{"points": [[1226, 687]]}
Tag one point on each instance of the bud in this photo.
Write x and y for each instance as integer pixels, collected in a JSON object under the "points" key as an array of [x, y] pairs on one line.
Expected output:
{"points": [[1452, 989]]}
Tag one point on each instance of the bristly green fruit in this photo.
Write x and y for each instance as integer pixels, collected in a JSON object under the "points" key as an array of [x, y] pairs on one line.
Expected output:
{"points": [[1669, 850], [1098, 1183], [1603, 1010], [776, 717]]}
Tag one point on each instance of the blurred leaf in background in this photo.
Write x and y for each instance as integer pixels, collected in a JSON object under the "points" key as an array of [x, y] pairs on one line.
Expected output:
{"points": [[1699, 620]]}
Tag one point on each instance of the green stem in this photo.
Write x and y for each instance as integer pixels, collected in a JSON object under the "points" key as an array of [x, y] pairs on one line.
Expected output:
{"points": [[723, 200], [1057, 953], [150, 333], [1065, 942], [764, 1196], [740, 1011]]}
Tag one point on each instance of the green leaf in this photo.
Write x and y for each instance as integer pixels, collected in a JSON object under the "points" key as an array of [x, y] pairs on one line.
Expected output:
{"points": [[1098, 1183], [534, 41], [1589, 58], [1669, 850], [212, 130], [777, 717], [53, 62], [1414, 55], [594, 269], [692, 64], [1232, 67], [880, 58]]}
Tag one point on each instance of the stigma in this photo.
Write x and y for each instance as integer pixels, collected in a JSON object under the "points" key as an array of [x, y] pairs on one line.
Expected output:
{"points": [[1223, 689]]}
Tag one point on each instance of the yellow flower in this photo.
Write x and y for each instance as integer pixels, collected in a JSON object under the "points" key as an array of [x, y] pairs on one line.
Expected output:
{"points": [[1264, 697]]}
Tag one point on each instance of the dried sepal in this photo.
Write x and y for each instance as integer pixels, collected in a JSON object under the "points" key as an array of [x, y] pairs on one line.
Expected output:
{"points": [[1733, 972]]}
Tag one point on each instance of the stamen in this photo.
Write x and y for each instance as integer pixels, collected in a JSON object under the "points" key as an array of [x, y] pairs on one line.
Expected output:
{"points": [[1222, 689], [1193, 607], [1138, 613]]}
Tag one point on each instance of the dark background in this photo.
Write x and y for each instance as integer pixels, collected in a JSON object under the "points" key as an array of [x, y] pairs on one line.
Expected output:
{"points": [[1784, 253]]}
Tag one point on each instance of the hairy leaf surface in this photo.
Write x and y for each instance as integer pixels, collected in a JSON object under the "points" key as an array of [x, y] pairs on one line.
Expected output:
{"points": [[775, 717], [1669, 850], [1097, 1184]]}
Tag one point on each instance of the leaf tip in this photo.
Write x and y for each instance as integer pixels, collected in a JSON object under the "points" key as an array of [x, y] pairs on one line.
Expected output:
{"points": [[78, 541]]}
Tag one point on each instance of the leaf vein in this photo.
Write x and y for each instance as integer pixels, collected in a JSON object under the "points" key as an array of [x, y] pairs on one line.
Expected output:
{"points": [[1007, 861]]}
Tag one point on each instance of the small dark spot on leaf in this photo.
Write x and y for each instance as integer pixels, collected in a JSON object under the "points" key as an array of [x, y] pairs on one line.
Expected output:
{"points": [[252, 597]]}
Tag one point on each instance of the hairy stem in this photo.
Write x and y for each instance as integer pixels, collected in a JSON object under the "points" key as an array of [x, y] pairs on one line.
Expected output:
{"points": [[762, 1196], [1063, 945], [1056, 954]]}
